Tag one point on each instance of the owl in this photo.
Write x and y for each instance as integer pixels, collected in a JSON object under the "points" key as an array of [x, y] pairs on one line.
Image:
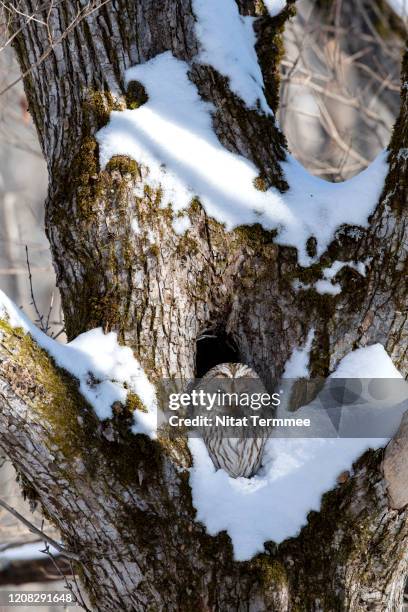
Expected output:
{"points": [[240, 455]]}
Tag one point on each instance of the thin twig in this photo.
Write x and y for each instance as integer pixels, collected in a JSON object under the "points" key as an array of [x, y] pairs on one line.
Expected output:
{"points": [[83, 13], [77, 587], [58, 334], [34, 303], [78, 595], [65, 553]]}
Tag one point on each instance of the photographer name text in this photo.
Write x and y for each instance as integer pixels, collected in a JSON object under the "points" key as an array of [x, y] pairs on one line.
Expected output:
{"points": [[230, 421]]}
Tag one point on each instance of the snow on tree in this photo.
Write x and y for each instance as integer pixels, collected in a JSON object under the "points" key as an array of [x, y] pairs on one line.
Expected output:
{"points": [[174, 211]]}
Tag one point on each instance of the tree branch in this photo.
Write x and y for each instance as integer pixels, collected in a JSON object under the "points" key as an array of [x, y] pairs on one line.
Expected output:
{"points": [[23, 571], [121, 501], [395, 467], [63, 552]]}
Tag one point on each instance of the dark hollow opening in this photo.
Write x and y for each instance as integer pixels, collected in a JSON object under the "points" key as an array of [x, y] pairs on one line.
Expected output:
{"points": [[214, 348]]}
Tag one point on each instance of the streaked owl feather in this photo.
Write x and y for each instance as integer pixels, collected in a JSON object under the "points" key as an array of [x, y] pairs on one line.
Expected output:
{"points": [[240, 455]]}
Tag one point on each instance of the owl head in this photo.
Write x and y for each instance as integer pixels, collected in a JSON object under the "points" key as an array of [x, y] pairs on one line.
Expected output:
{"points": [[230, 370], [231, 380]]}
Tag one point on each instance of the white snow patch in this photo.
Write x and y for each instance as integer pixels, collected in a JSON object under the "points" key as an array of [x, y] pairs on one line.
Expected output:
{"points": [[151, 236], [403, 153], [228, 44], [324, 286], [172, 135], [318, 207], [400, 7], [101, 365], [367, 362], [297, 365], [25, 552], [135, 226], [336, 266], [181, 225], [297, 285], [273, 505], [274, 7]]}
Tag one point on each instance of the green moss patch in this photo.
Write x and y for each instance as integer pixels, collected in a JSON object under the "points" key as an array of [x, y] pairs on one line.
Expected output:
{"points": [[136, 95]]}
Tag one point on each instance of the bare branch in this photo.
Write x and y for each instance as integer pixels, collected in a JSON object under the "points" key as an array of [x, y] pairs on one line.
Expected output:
{"points": [[82, 14], [78, 594], [40, 317], [65, 553]]}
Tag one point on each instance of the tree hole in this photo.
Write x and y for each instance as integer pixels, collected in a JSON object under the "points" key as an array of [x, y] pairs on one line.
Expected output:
{"points": [[214, 348]]}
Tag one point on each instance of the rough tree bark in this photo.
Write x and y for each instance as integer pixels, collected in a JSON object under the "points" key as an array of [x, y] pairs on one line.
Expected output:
{"points": [[121, 501]]}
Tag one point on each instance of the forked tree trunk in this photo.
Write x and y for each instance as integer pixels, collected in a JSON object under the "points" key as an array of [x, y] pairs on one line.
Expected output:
{"points": [[121, 501]]}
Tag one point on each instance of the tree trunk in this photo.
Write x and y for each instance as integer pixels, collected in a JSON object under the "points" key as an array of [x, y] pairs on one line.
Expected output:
{"points": [[121, 501]]}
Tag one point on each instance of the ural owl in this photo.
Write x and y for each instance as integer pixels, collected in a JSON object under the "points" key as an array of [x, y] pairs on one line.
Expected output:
{"points": [[238, 456]]}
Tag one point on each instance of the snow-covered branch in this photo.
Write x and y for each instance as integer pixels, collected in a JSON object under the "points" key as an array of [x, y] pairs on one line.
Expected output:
{"points": [[54, 438]]}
